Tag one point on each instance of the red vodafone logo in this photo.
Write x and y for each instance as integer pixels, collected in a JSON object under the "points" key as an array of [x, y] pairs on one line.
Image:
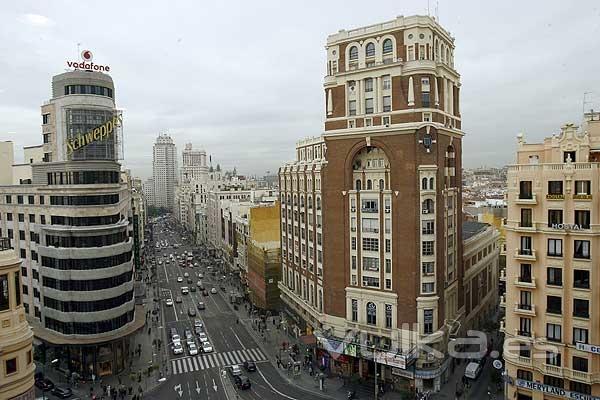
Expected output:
{"points": [[86, 55]]}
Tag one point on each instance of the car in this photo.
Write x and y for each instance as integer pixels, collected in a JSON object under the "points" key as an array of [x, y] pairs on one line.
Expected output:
{"points": [[201, 305], [188, 334], [195, 264], [198, 323], [185, 275], [179, 279], [177, 348], [249, 365], [169, 302], [190, 281], [160, 263], [200, 275], [192, 312], [213, 290], [185, 290], [236, 370], [207, 347], [178, 299], [202, 336], [205, 292], [242, 382], [62, 392], [198, 330], [192, 288], [44, 384], [192, 349]]}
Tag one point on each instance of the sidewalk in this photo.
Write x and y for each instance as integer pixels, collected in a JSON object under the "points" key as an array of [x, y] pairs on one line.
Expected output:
{"points": [[270, 343], [134, 380]]}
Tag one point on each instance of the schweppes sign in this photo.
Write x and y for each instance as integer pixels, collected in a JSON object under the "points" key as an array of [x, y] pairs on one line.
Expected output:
{"points": [[99, 133]]}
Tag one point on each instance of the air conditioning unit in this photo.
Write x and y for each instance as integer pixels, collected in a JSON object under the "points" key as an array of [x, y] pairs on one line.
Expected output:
{"points": [[387, 210], [353, 209], [425, 211]]}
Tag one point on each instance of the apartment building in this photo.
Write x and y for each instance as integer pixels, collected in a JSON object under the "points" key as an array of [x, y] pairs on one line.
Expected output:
{"points": [[164, 171], [552, 239], [371, 209]]}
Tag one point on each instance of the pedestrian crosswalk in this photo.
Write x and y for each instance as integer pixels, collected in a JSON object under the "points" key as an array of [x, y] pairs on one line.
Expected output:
{"points": [[214, 360]]}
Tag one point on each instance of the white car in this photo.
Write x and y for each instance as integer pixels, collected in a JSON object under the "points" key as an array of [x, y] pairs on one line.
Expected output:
{"points": [[192, 349], [177, 348], [206, 347], [179, 279], [203, 338], [185, 275], [169, 302], [213, 290], [160, 263]]}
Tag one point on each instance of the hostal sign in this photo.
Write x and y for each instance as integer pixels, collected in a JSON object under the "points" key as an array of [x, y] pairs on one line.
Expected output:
{"points": [[99, 133]]}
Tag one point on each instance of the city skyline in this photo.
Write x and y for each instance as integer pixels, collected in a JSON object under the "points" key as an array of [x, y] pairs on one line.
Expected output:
{"points": [[254, 115]]}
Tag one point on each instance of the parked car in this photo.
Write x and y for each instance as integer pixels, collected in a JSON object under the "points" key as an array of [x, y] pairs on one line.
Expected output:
{"points": [[62, 392], [192, 349], [473, 370], [190, 281], [201, 306], [179, 279], [213, 290], [207, 347], [198, 323], [177, 348], [186, 274], [202, 336], [188, 334], [44, 384], [192, 288], [249, 365]]}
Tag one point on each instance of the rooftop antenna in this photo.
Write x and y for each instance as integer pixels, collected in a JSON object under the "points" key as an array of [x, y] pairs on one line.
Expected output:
{"points": [[78, 52]]}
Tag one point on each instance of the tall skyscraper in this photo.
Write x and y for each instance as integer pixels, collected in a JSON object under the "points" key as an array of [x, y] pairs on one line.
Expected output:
{"points": [[164, 171], [371, 209], [16, 337], [194, 165], [70, 226], [552, 244]]}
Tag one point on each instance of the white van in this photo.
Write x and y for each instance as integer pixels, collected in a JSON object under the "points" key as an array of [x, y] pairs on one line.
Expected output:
{"points": [[473, 370], [185, 290]]}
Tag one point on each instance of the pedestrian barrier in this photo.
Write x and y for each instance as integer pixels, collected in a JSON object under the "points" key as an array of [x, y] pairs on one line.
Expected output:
{"points": [[214, 360]]}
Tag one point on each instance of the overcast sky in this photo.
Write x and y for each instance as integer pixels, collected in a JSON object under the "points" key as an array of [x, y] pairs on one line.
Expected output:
{"points": [[243, 79]]}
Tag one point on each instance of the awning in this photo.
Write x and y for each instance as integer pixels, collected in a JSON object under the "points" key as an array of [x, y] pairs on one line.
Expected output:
{"points": [[308, 339]]}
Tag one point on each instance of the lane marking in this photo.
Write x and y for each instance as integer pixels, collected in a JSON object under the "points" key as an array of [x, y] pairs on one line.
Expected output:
{"points": [[272, 388], [238, 338], [195, 363]]}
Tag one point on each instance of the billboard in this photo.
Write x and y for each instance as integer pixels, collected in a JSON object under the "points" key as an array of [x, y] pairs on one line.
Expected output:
{"points": [[93, 134]]}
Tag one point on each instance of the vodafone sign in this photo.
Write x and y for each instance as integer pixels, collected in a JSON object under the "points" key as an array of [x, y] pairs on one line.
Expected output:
{"points": [[87, 64]]}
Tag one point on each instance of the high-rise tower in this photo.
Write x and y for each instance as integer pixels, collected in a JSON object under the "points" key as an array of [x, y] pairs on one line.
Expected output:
{"points": [[164, 171]]}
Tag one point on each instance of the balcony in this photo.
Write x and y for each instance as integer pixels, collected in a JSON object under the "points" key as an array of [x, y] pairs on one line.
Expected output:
{"points": [[525, 254], [503, 301], [524, 360], [525, 309], [582, 197], [503, 275], [525, 282], [578, 375], [526, 199], [552, 370]]}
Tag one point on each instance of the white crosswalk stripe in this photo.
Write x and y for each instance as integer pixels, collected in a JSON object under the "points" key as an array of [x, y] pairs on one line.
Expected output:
{"points": [[212, 360]]}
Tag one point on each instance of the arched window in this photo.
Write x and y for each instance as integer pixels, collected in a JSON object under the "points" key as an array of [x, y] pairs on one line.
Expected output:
{"points": [[424, 184], [354, 53], [371, 313], [295, 201], [309, 202], [427, 206], [318, 203], [301, 201], [358, 184], [431, 187], [289, 199], [381, 184], [369, 184], [370, 50], [388, 47]]}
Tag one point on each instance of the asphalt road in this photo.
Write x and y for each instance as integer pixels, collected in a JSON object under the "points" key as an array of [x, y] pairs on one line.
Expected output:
{"points": [[206, 376]]}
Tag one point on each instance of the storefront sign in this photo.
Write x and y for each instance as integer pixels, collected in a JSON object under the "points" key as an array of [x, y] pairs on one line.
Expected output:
{"points": [[87, 64], [567, 227], [402, 372], [99, 133], [555, 391], [391, 358], [590, 348], [351, 350], [555, 196]]}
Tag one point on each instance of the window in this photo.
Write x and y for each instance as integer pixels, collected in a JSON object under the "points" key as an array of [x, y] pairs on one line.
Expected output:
{"points": [[386, 82], [387, 103], [582, 218], [554, 381], [426, 117], [427, 287], [583, 187], [580, 364], [369, 85], [525, 275], [555, 217], [555, 187], [554, 276], [45, 118], [32, 218], [525, 375], [555, 247], [525, 246], [4, 297], [581, 308], [580, 335], [526, 218], [525, 191], [11, 366], [428, 321], [388, 316], [369, 122], [581, 279], [370, 281], [352, 107], [388, 284], [388, 245], [370, 244], [582, 249], [353, 53], [525, 326], [387, 46], [427, 268], [554, 332], [427, 227], [410, 53], [388, 266], [370, 50], [553, 358], [19, 199], [21, 217], [525, 303], [354, 307], [371, 313], [425, 100], [554, 305], [17, 286], [370, 264], [524, 350], [580, 387], [369, 206], [428, 248], [8, 199], [369, 106], [353, 243], [427, 206]]}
